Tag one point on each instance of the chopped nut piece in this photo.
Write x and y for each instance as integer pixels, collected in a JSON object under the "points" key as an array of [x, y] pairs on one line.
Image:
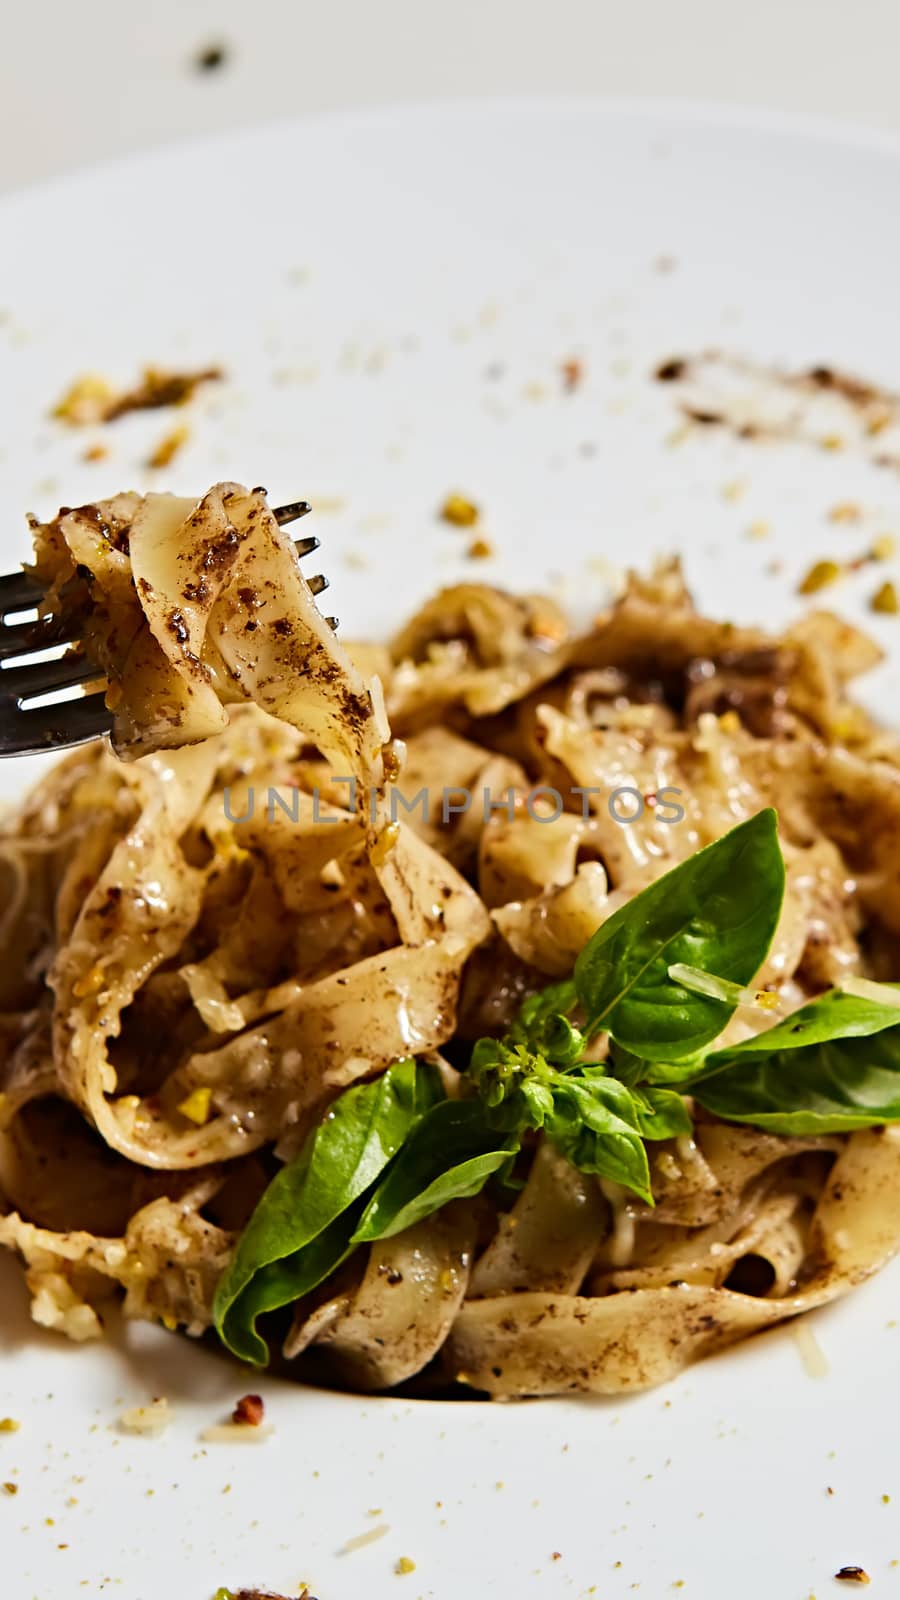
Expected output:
{"points": [[819, 576], [195, 1106], [87, 400], [249, 1410], [853, 1575], [885, 599], [845, 511], [480, 550], [459, 511], [168, 447]]}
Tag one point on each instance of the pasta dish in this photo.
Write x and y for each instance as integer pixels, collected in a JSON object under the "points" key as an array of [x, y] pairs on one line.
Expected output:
{"points": [[507, 1008]]}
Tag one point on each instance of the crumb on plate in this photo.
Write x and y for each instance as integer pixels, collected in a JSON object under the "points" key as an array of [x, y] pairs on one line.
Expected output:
{"points": [[168, 447], [459, 512], [885, 599]]}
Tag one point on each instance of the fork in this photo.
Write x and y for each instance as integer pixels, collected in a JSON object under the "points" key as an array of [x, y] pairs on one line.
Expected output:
{"points": [[57, 724]]}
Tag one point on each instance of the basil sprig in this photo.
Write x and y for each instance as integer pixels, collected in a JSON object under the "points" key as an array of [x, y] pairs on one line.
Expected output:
{"points": [[830, 1067], [717, 911], [600, 1064], [303, 1226]]}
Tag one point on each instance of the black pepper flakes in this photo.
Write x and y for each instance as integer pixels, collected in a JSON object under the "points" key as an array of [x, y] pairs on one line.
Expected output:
{"points": [[212, 57]]}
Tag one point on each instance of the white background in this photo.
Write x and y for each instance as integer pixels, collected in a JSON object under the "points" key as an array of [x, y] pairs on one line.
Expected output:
{"points": [[82, 80]]}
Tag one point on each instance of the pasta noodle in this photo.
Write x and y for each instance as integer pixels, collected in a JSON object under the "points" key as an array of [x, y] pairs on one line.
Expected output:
{"points": [[212, 932]]}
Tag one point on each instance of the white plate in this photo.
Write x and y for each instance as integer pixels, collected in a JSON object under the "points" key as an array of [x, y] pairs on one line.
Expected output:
{"points": [[392, 296]]}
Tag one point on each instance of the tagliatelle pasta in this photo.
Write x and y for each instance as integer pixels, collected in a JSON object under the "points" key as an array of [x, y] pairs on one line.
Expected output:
{"points": [[294, 875]]}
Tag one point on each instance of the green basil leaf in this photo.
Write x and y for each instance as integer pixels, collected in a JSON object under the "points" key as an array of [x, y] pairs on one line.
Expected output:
{"points": [[829, 1087], [834, 1015], [449, 1156], [660, 1113], [294, 1237], [595, 1139], [543, 1026], [718, 911]]}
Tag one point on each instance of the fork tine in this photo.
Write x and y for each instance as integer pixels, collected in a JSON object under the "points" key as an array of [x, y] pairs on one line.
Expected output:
{"points": [[20, 683], [318, 584], [292, 512], [18, 592], [305, 547], [30, 732], [23, 638]]}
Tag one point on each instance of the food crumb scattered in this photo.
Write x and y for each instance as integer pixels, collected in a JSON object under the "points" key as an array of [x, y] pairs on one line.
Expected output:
{"points": [[885, 599], [91, 399], [9, 1425], [819, 576], [853, 1575], [735, 490], [572, 373], [759, 529], [845, 511], [150, 1420], [480, 550], [360, 1540], [95, 452], [211, 57], [249, 1411], [884, 547], [10, 1488], [459, 512], [404, 1565], [196, 1105], [168, 447]]}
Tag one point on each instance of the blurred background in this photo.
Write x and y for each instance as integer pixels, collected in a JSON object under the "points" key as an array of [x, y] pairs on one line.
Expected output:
{"points": [[82, 80]]}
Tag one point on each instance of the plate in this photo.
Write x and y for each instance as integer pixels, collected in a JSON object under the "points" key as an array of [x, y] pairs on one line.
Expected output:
{"points": [[406, 304]]}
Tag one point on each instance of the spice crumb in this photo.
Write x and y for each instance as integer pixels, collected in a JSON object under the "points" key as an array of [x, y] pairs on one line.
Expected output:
{"points": [[819, 576], [168, 447], [211, 58], [845, 511], [885, 599], [480, 550], [459, 512]]}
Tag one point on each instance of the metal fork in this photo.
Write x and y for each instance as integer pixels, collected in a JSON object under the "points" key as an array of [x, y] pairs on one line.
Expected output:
{"points": [[27, 729]]}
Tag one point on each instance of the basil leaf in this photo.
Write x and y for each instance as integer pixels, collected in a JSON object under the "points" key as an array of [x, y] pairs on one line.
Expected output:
{"points": [[830, 1087], [294, 1237], [718, 911], [449, 1156], [832, 1066], [595, 1139], [660, 1113], [834, 1015], [543, 1028]]}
